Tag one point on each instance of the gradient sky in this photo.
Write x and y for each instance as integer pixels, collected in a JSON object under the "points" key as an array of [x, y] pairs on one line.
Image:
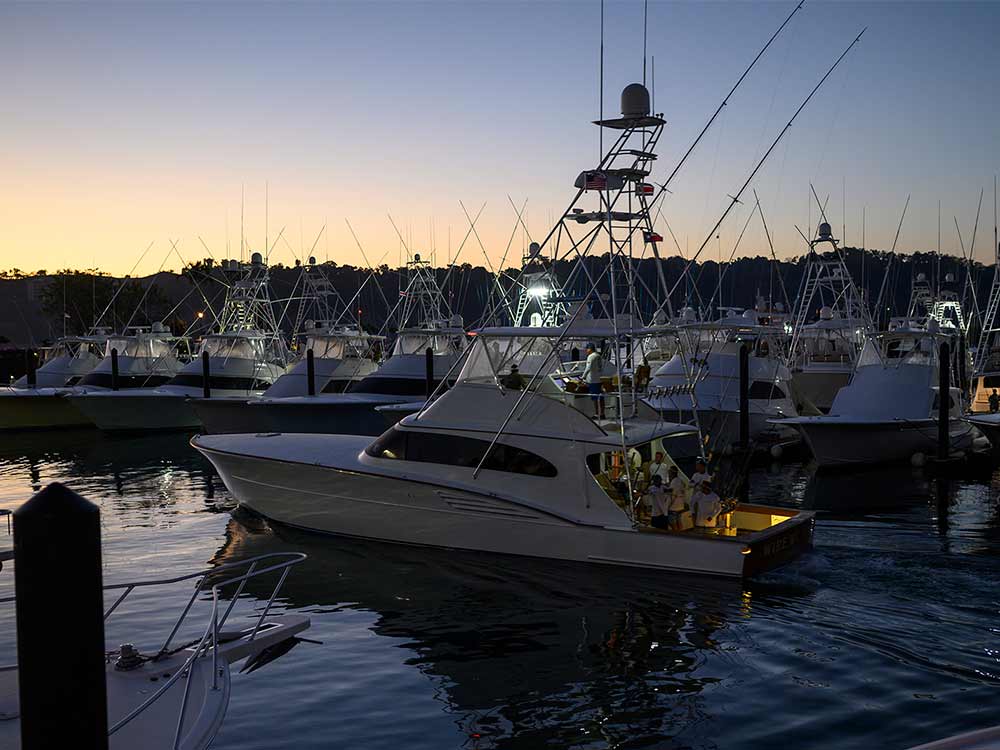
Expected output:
{"points": [[131, 123]]}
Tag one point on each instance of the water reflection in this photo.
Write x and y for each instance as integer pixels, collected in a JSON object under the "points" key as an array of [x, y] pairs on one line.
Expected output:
{"points": [[527, 652]]}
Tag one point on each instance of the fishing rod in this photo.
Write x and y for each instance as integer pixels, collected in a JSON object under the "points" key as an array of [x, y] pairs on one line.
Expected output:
{"points": [[888, 267], [734, 199]]}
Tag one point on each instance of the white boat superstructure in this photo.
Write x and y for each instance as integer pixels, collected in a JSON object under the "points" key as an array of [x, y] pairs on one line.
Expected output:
{"points": [[506, 462], [823, 352], [409, 375], [162, 693], [138, 358], [243, 359], [700, 384], [889, 410], [24, 406]]}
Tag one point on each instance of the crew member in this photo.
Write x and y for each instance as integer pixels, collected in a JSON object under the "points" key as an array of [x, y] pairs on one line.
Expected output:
{"points": [[706, 506], [592, 377]]}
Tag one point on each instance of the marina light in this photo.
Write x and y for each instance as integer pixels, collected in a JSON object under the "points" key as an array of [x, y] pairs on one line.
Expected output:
{"points": [[539, 290]]}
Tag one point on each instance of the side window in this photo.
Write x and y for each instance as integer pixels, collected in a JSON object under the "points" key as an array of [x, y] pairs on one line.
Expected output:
{"points": [[454, 450], [760, 389]]}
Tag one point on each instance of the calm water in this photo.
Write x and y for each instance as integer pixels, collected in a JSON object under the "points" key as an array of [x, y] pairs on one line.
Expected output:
{"points": [[886, 636]]}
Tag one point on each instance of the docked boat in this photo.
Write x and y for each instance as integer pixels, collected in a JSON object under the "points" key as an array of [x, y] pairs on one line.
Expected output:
{"points": [[243, 359], [36, 402], [175, 697], [426, 349], [700, 383], [526, 469], [408, 376], [341, 357], [889, 411]]}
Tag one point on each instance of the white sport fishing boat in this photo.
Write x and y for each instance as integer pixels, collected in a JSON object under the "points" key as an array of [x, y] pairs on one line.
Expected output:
{"points": [[341, 358], [525, 470], [889, 411], [709, 357], [244, 359], [39, 405], [163, 693], [403, 378], [408, 376], [823, 352]]}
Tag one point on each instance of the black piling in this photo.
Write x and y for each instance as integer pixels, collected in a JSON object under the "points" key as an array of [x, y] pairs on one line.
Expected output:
{"points": [[429, 361], [31, 368], [745, 396], [944, 400], [311, 372], [60, 621], [206, 376], [114, 369]]}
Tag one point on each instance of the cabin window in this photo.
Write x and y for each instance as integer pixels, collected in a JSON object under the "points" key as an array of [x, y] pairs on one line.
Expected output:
{"points": [[458, 450], [760, 389], [392, 386]]}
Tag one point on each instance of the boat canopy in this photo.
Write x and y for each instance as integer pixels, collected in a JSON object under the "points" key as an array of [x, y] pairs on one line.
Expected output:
{"points": [[139, 346], [439, 341], [340, 345], [244, 345], [901, 348]]}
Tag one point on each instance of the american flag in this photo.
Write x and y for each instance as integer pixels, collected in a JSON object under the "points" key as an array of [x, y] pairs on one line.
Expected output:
{"points": [[595, 181]]}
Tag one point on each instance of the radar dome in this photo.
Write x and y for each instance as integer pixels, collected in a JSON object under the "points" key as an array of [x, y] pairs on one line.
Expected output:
{"points": [[921, 277], [826, 313], [825, 233], [688, 314], [949, 278], [635, 100], [256, 259]]}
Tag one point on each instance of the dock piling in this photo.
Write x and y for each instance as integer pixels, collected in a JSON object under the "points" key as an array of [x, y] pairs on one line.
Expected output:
{"points": [[311, 372], [944, 400], [60, 621], [114, 369], [744, 396], [205, 376]]}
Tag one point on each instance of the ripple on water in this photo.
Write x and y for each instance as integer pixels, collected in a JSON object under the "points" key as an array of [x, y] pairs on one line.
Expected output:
{"points": [[884, 636]]}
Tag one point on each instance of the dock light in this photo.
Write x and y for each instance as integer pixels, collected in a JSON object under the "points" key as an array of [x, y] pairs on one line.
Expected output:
{"points": [[539, 290], [201, 314]]}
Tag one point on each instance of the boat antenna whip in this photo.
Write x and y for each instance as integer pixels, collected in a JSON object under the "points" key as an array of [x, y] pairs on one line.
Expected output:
{"points": [[734, 199], [725, 101]]}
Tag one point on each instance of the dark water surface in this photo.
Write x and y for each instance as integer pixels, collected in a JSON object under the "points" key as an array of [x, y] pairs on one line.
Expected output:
{"points": [[884, 637]]}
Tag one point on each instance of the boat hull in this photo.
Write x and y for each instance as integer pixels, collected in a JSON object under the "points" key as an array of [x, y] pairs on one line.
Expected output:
{"points": [[38, 410], [396, 509], [337, 414], [819, 387], [855, 443], [132, 412]]}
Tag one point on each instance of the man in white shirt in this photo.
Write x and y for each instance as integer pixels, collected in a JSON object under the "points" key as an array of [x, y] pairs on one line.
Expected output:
{"points": [[677, 490], [700, 474], [592, 377], [706, 506], [659, 499], [657, 466]]}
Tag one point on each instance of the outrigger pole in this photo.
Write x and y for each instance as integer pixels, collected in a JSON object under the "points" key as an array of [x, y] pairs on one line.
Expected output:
{"points": [[734, 199]]}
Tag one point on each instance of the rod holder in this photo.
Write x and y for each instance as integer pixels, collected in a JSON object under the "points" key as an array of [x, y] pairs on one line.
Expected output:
{"points": [[60, 621]]}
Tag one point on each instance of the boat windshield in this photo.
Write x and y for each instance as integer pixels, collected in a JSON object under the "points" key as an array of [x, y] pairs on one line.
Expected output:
{"points": [[239, 347], [897, 350], [493, 357], [139, 347], [439, 342]]}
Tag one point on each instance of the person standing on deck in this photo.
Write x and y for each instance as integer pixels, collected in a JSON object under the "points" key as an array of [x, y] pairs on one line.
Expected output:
{"points": [[706, 506], [677, 490], [994, 402], [592, 377]]}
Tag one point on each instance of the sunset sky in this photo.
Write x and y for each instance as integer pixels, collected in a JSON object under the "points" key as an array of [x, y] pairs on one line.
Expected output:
{"points": [[131, 123]]}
